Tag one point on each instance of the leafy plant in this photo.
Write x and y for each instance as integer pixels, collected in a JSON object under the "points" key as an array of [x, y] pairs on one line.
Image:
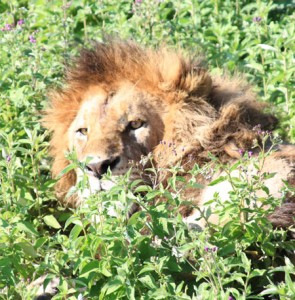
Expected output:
{"points": [[98, 251]]}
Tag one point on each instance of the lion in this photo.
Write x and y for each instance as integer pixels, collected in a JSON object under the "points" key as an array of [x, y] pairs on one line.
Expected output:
{"points": [[122, 102]]}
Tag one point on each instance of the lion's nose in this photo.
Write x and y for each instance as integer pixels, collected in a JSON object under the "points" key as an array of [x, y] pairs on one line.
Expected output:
{"points": [[99, 168]]}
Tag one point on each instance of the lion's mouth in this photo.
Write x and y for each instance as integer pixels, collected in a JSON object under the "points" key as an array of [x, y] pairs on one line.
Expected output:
{"points": [[96, 184]]}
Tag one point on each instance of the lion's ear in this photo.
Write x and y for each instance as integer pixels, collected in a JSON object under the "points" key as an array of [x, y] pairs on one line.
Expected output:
{"points": [[185, 75], [197, 82]]}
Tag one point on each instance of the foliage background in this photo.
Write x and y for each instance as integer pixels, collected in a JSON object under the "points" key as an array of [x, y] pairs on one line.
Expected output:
{"points": [[255, 38]]}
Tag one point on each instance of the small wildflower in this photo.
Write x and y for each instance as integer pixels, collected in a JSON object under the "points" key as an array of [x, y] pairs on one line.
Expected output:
{"points": [[7, 27], [250, 153], [207, 249], [230, 298], [157, 241], [8, 158], [214, 249], [21, 22], [241, 151], [67, 6], [257, 127], [176, 253], [138, 1], [256, 19], [80, 297], [32, 39]]}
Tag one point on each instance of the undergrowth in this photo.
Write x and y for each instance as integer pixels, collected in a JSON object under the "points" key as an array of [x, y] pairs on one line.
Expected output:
{"points": [[98, 251]]}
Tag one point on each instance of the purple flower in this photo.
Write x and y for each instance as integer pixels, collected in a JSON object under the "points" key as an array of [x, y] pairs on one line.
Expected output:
{"points": [[32, 39], [250, 153], [207, 249], [230, 298], [20, 22], [8, 158], [214, 249], [7, 27], [257, 127], [138, 1], [241, 151], [256, 19]]}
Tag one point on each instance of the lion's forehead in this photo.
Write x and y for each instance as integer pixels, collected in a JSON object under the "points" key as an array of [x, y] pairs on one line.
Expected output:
{"points": [[116, 108]]}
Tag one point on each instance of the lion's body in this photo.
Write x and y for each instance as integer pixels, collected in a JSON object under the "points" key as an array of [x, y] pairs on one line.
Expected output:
{"points": [[122, 102]]}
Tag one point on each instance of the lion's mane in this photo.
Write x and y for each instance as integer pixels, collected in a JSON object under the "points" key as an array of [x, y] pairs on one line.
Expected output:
{"points": [[208, 113]]}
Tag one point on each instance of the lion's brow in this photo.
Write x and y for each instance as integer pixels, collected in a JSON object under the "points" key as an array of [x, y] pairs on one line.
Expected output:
{"points": [[105, 104]]}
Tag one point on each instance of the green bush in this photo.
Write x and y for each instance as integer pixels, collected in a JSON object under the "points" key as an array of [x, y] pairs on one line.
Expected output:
{"points": [[102, 253]]}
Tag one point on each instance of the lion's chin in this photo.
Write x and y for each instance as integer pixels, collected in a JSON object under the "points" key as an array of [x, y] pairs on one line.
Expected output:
{"points": [[96, 185]]}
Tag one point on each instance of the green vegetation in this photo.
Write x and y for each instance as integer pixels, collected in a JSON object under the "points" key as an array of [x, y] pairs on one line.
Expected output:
{"points": [[153, 254]]}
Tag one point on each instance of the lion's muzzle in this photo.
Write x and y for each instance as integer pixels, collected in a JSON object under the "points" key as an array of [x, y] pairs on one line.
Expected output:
{"points": [[98, 167]]}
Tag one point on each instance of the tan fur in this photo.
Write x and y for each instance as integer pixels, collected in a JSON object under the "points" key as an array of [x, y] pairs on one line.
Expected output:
{"points": [[118, 82]]}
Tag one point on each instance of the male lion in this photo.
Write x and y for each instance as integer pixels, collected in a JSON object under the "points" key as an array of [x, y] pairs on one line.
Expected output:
{"points": [[121, 102]]}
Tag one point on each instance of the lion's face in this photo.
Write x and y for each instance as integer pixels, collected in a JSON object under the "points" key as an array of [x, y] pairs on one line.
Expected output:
{"points": [[112, 129]]}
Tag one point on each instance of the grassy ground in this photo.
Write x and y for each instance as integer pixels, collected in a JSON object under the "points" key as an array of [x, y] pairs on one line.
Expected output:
{"points": [[38, 237]]}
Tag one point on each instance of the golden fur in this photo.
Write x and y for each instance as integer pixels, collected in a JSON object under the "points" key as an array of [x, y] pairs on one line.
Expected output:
{"points": [[183, 112]]}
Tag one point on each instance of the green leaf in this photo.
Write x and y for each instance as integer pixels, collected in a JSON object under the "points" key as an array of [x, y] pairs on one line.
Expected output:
{"points": [[152, 195], [270, 291], [27, 248], [40, 242], [51, 221], [67, 169], [136, 217], [92, 266], [135, 183], [75, 232], [269, 248], [256, 67], [4, 262], [148, 281], [267, 47], [218, 180], [27, 227], [256, 272], [104, 269], [147, 268], [111, 287], [143, 188]]}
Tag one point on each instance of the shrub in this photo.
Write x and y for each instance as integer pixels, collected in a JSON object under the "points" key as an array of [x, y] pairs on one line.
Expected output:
{"points": [[153, 254]]}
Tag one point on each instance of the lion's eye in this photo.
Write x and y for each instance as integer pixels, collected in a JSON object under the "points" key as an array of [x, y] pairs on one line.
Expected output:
{"points": [[136, 124], [83, 131]]}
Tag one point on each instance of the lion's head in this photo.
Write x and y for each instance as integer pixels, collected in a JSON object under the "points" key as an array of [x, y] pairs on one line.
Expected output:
{"points": [[121, 102]]}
